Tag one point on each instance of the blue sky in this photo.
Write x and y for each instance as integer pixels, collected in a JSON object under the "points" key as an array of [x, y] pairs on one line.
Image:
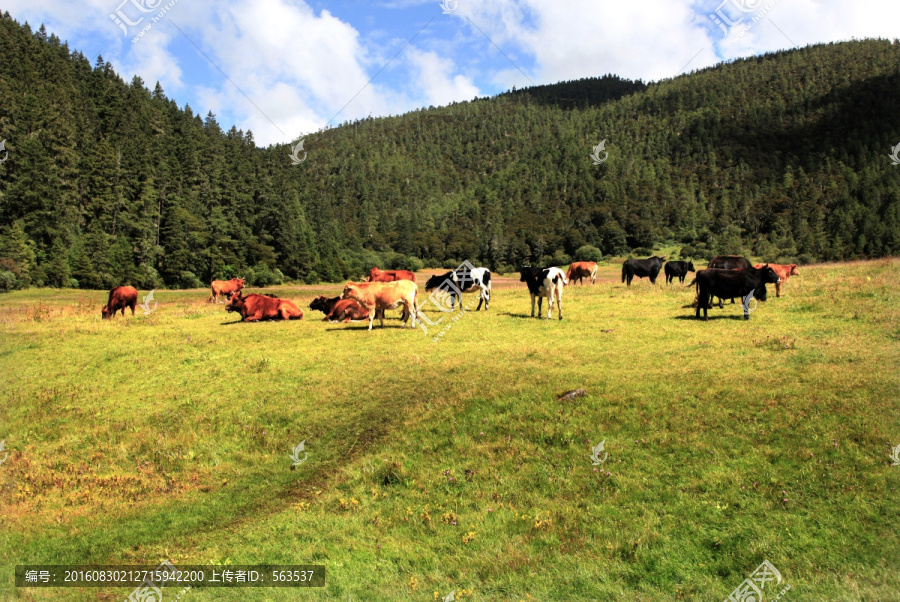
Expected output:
{"points": [[284, 68]]}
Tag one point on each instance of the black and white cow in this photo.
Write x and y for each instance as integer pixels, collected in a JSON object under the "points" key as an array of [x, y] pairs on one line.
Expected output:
{"points": [[642, 268], [678, 269], [732, 283], [464, 280], [544, 282]]}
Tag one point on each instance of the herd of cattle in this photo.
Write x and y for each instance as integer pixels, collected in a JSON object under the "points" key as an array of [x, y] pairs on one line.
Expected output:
{"points": [[726, 277]]}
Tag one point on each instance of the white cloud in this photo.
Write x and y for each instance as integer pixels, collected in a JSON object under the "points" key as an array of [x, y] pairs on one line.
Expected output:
{"points": [[301, 67], [436, 80]]}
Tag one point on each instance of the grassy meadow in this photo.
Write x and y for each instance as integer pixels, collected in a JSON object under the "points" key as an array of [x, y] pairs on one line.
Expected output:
{"points": [[451, 465]]}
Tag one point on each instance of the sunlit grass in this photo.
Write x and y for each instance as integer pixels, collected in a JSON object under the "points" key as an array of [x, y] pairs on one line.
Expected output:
{"points": [[451, 465]]}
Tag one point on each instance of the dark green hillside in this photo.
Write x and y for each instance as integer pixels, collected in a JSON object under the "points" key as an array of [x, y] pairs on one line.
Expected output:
{"points": [[781, 156]]}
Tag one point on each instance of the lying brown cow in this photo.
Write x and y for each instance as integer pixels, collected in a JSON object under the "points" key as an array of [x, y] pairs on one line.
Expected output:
{"points": [[254, 308], [120, 297], [340, 310], [224, 287], [376, 275], [373, 296], [784, 272], [582, 269]]}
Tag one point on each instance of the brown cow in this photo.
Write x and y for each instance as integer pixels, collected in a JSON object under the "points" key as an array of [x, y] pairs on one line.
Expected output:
{"points": [[373, 296], [254, 308], [376, 275], [784, 272], [582, 269], [120, 297], [224, 287]]}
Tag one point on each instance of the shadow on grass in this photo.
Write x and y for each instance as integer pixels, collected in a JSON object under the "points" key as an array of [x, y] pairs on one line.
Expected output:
{"points": [[512, 315], [692, 317]]}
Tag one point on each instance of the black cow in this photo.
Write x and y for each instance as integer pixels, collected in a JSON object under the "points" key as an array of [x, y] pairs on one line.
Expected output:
{"points": [[547, 282], [732, 283], [729, 262], [464, 280], [642, 268], [678, 269]]}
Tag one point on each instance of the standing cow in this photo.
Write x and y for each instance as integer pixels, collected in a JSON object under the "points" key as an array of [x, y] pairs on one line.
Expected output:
{"points": [[732, 283], [579, 270], [678, 269], [374, 296], [120, 297], [728, 262], [464, 280], [784, 272], [547, 282], [225, 288], [642, 268]]}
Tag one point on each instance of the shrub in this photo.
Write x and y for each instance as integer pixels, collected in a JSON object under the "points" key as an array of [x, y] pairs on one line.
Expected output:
{"points": [[188, 279], [588, 253], [642, 252], [687, 251], [399, 261]]}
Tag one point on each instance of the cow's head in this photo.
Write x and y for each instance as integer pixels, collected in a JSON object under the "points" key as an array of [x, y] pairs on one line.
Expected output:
{"points": [[434, 282], [769, 275], [235, 302], [526, 272], [319, 303], [104, 312], [349, 289], [690, 266], [239, 283], [794, 271]]}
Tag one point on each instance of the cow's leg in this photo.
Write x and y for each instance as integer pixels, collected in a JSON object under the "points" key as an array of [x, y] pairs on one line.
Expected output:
{"points": [[135, 303], [559, 301], [778, 289], [549, 304], [532, 306], [372, 318]]}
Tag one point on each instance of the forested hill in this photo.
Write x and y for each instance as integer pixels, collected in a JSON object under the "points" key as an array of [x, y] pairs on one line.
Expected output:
{"points": [[781, 156]]}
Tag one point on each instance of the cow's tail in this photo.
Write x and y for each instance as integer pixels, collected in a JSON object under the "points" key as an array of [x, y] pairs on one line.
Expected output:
{"points": [[693, 282]]}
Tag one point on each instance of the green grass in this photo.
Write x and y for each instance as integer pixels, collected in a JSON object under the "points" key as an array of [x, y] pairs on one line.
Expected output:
{"points": [[167, 436]]}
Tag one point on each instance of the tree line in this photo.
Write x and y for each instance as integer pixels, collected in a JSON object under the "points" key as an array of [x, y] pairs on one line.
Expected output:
{"points": [[783, 156]]}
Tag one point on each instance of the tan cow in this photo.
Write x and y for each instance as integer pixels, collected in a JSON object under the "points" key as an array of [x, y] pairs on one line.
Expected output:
{"points": [[784, 272], [582, 269], [374, 296], [224, 287]]}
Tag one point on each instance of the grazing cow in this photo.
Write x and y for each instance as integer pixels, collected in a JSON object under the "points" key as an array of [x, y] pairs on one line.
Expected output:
{"points": [[464, 280], [338, 310], [376, 275], [254, 307], [732, 283], [582, 269], [547, 282], [784, 272], [678, 269], [120, 297], [225, 288], [373, 296], [642, 268]]}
